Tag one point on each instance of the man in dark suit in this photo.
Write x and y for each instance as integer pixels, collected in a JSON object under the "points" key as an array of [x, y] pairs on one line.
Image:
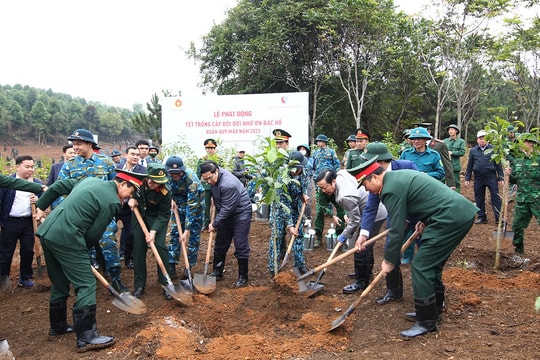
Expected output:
{"points": [[67, 153]]}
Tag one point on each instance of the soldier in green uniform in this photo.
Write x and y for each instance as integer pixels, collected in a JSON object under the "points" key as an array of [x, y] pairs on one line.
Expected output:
{"points": [[210, 148], [524, 171], [445, 219], [76, 225], [154, 203], [456, 149]]}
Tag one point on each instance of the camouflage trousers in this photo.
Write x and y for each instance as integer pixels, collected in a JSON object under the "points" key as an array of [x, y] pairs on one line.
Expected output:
{"points": [[523, 213], [194, 242], [279, 233], [108, 251]]}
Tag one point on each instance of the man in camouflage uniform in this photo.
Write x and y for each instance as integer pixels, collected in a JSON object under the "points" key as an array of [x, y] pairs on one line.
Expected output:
{"points": [[188, 193], [456, 149], [87, 163], [210, 148], [525, 173], [324, 158], [283, 220]]}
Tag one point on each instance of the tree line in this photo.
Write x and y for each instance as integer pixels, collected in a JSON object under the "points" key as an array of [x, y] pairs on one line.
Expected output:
{"points": [[367, 65], [49, 117]]}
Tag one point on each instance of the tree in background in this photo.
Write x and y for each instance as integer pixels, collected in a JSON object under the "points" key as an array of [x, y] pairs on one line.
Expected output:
{"points": [[150, 124]]}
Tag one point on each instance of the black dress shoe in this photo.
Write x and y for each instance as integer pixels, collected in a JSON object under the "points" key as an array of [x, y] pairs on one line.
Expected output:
{"points": [[129, 264], [481, 221], [242, 281], [138, 292], [356, 286]]}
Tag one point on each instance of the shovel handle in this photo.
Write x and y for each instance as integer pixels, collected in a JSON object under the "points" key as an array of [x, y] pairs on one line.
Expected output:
{"points": [[342, 256], [179, 226], [37, 248], [296, 227], [106, 284], [152, 245], [374, 282]]}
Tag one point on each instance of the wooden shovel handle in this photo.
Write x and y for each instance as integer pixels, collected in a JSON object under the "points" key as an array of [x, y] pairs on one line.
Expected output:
{"points": [[37, 249], [179, 226], [152, 245], [211, 234], [297, 226], [351, 251]]}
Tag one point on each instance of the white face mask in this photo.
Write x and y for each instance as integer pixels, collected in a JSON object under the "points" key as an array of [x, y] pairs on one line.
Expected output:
{"points": [[303, 152]]}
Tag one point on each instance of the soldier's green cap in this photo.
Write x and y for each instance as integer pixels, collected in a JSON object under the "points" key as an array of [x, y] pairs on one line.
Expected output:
{"points": [[379, 149], [157, 173], [529, 137]]}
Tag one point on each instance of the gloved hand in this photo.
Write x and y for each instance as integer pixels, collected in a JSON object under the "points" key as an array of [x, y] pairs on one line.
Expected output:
{"points": [[342, 238]]}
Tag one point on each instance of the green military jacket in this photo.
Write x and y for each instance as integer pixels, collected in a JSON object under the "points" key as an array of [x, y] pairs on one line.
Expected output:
{"points": [[155, 206], [80, 220], [354, 158], [457, 147], [10, 182], [526, 174], [413, 194]]}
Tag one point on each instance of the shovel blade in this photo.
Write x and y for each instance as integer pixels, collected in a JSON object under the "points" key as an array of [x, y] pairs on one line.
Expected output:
{"points": [[313, 288], [338, 322], [204, 283], [129, 303], [302, 286], [507, 238], [178, 294], [5, 284]]}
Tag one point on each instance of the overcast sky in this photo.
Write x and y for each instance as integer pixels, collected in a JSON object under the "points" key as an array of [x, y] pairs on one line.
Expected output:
{"points": [[117, 52]]}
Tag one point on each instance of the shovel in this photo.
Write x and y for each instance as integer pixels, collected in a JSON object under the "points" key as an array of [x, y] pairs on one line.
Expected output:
{"points": [[5, 284], [504, 236], [124, 301], [175, 292], [289, 248], [302, 284], [187, 286], [314, 287], [203, 283], [40, 275], [340, 320]]}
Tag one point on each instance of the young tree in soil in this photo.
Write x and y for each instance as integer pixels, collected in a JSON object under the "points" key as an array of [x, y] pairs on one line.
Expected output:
{"points": [[271, 176], [503, 148]]}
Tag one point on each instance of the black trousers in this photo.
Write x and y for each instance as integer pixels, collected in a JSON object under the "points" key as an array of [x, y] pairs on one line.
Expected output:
{"points": [[20, 229]]}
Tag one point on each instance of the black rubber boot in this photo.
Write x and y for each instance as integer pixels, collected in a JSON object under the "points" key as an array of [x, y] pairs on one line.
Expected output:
{"points": [[439, 300], [394, 286], [86, 329], [219, 266], [362, 269], [243, 267], [426, 318], [58, 318]]}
